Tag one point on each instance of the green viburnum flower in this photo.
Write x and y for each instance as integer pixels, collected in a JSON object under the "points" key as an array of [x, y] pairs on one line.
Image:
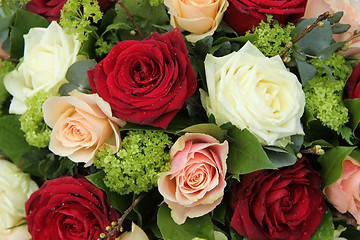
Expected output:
{"points": [[77, 16], [135, 167], [272, 38], [323, 97], [37, 133], [5, 67], [155, 2]]}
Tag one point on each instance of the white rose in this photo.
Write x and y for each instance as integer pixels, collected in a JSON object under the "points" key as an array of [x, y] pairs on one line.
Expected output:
{"points": [[15, 189], [254, 92], [48, 54], [136, 234]]}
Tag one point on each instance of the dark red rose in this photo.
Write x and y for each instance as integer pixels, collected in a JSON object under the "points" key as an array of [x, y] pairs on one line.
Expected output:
{"points": [[50, 9], [242, 15], [352, 85], [68, 208], [278, 204], [148, 81]]}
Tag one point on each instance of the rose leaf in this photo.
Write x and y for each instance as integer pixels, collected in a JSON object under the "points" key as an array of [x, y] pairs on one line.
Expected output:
{"points": [[326, 228], [200, 227], [353, 105]]}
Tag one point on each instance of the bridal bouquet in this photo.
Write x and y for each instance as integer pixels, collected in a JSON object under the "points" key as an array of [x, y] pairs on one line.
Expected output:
{"points": [[179, 119]]}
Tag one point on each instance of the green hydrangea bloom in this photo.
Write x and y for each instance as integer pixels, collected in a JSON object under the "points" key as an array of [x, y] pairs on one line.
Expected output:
{"points": [[37, 133], [323, 97], [77, 16], [135, 167], [155, 3], [5, 67], [272, 38]]}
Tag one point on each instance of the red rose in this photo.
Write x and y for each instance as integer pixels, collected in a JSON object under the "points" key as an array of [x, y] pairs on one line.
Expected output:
{"points": [[278, 204], [50, 9], [68, 208], [242, 15], [148, 81], [352, 85]]}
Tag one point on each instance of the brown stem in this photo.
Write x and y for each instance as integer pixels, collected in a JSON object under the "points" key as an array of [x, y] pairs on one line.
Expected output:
{"points": [[308, 29], [350, 220], [131, 17], [6, 58], [120, 221]]}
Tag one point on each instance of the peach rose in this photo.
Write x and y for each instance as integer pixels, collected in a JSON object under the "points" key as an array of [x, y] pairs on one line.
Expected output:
{"points": [[82, 124], [199, 17], [344, 193], [195, 184], [351, 9]]}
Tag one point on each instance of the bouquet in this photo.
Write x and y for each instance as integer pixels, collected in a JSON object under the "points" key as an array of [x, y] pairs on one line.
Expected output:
{"points": [[179, 119]]}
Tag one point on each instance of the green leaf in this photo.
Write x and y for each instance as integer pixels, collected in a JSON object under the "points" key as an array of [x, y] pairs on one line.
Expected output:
{"points": [[328, 71], [203, 46], [280, 157], [336, 17], [240, 39], [24, 20], [307, 71], [297, 142], [246, 153], [207, 128], [6, 22], [331, 164], [353, 105], [221, 49], [120, 202], [200, 227], [325, 53], [340, 28], [12, 140], [325, 231], [77, 77]]}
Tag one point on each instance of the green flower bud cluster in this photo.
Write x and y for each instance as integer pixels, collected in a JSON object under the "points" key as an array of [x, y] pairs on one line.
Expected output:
{"points": [[77, 16], [272, 38], [324, 97], [135, 167], [37, 133], [5, 67], [155, 3]]}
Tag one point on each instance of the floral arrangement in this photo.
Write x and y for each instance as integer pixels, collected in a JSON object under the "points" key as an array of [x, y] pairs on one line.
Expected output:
{"points": [[179, 119]]}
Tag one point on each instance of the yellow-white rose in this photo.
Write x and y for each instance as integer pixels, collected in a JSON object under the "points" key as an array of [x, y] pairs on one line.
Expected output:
{"points": [[15, 189], [254, 92], [48, 54], [136, 234], [200, 17]]}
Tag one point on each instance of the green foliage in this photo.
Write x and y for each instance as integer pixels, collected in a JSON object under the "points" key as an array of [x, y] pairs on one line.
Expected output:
{"points": [[324, 97], [37, 133], [325, 231], [77, 17], [5, 67], [10, 6], [272, 38], [193, 228], [155, 2], [135, 167]]}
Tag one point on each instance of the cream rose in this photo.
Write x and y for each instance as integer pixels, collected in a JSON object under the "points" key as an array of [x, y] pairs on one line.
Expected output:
{"points": [[195, 184], [136, 234], [15, 189], [344, 193], [254, 92], [81, 124], [48, 54], [200, 17], [350, 8]]}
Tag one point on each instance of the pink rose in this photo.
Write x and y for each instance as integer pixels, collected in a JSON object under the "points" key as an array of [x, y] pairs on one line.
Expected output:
{"points": [[195, 184], [344, 193], [81, 123], [351, 9]]}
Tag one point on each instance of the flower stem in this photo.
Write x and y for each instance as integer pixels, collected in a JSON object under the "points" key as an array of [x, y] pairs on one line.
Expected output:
{"points": [[6, 58], [120, 221], [324, 16], [131, 17]]}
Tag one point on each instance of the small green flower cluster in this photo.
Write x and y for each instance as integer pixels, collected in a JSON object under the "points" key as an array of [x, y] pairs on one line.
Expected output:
{"points": [[155, 3], [37, 133], [272, 38], [135, 167], [5, 67], [77, 16], [324, 97]]}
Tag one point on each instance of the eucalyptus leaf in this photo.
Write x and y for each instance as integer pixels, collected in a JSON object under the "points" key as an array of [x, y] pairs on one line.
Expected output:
{"points": [[296, 142], [12, 140], [4, 35], [331, 164], [325, 53], [207, 128], [325, 231], [24, 20], [336, 17], [200, 227], [246, 153], [6, 22], [280, 158], [307, 71], [340, 28], [328, 71]]}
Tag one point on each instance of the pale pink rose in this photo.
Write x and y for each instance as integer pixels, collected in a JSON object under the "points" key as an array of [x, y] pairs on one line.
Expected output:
{"points": [[351, 9], [195, 184], [344, 193], [200, 17], [81, 125]]}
